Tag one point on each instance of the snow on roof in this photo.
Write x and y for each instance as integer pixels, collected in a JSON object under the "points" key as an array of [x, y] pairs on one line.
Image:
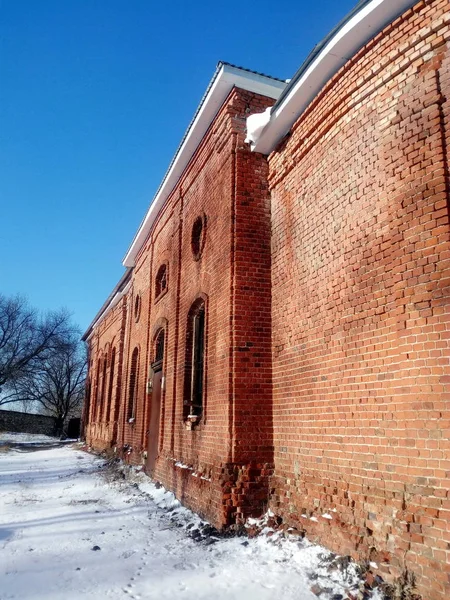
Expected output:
{"points": [[362, 24]]}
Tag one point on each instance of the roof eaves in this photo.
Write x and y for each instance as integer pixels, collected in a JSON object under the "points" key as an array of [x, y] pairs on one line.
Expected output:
{"points": [[225, 76], [352, 33], [116, 290], [317, 49], [228, 64]]}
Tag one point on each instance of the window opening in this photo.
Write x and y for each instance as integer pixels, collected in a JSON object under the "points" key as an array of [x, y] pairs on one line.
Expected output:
{"points": [[198, 236], [87, 406], [161, 281], [102, 397], [111, 384], [159, 347], [137, 308], [98, 390], [195, 362], [132, 385]]}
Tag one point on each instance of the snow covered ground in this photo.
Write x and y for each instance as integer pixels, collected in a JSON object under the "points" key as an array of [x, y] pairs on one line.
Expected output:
{"points": [[25, 438], [70, 529]]}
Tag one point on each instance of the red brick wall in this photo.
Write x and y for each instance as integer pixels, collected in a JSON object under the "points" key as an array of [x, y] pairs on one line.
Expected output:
{"points": [[228, 459], [103, 411], [213, 185], [360, 306], [341, 317]]}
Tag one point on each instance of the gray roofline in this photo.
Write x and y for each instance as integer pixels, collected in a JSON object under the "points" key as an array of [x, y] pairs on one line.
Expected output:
{"points": [[222, 67], [118, 287], [317, 49]]}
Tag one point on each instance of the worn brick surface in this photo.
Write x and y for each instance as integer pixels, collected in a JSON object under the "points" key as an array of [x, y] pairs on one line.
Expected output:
{"points": [[220, 466], [326, 275], [360, 297], [104, 386]]}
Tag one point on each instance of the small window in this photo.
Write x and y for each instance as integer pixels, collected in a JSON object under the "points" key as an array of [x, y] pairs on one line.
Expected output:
{"points": [[137, 308], [100, 395], [98, 387], [159, 346], [198, 236], [87, 403], [132, 389], [103, 392], [111, 384], [161, 281], [195, 362]]}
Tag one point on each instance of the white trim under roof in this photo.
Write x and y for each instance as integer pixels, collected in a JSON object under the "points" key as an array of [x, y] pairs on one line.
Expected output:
{"points": [[357, 31], [116, 295], [225, 79]]}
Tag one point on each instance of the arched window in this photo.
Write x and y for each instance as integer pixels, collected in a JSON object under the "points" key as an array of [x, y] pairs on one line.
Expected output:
{"points": [[133, 383], [87, 404], [159, 346], [137, 308], [198, 236], [103, 390], [161, 281], [98, 390], [195, 361], [111, 384]]}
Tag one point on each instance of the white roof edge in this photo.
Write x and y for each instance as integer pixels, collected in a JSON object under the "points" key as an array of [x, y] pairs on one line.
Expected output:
{"points": [[227, 78], [114, 301], [350, 38]]}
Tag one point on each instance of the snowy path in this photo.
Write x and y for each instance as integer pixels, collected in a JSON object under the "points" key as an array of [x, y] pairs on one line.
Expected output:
{"points": [[55, 509]]}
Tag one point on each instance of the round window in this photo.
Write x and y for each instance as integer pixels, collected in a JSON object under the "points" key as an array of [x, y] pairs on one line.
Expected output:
{"points": [[198, 236]]}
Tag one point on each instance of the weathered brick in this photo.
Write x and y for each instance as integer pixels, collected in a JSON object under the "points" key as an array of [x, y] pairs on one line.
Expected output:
{"points": [[326, 275]]}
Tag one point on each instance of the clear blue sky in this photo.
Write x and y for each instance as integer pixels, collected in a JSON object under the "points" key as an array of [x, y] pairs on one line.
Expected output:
{"points": [[95, 96]]}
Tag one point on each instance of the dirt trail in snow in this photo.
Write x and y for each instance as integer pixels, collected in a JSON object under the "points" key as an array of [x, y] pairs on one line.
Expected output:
{"points": [[67, 534]]}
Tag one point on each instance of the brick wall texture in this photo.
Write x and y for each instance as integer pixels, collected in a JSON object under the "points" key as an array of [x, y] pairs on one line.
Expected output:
{"points": [[325, 275], [10, 420]]}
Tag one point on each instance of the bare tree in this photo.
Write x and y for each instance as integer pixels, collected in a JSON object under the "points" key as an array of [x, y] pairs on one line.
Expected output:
{"points": [[25, 406], [57, 386], [26, 340]]}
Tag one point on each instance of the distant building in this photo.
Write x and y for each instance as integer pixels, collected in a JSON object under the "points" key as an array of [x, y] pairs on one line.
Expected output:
{"points": [[280, 337]]}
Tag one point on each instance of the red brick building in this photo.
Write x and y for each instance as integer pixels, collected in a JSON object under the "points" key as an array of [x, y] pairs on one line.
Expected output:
{"points": [[280, 337]]}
